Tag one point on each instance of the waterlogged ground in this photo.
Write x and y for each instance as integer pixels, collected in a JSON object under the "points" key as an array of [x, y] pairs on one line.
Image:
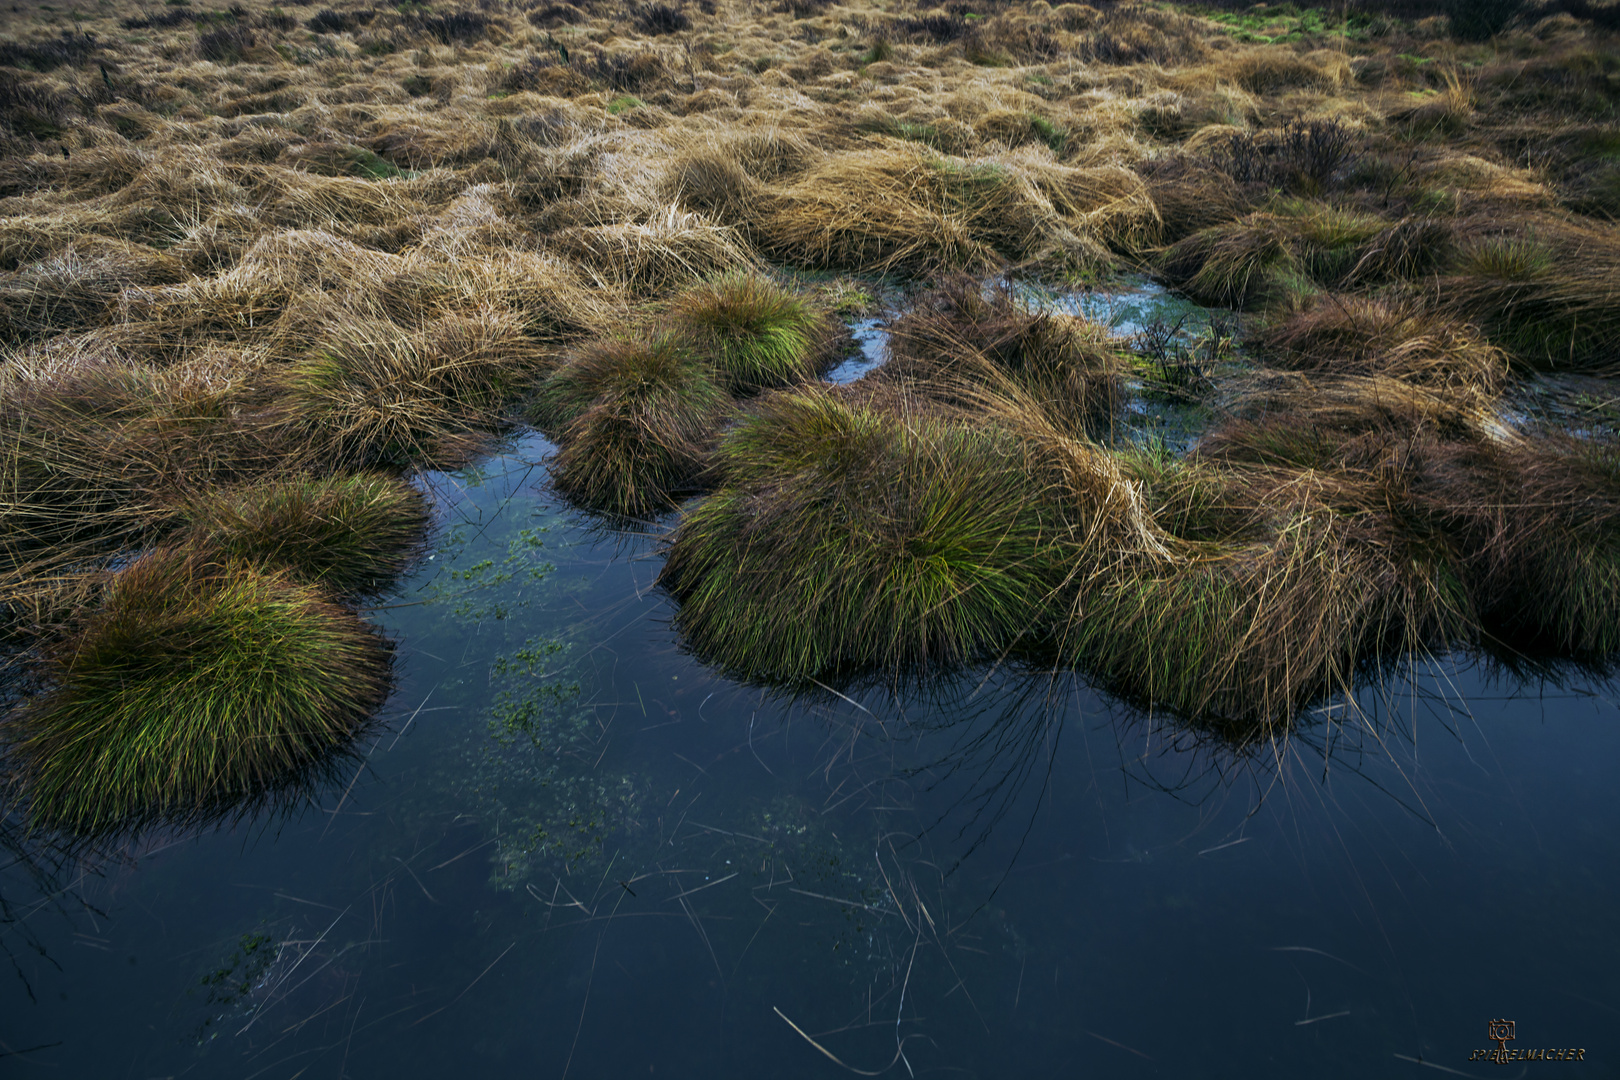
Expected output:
{"points": [[1577, 404], [575, 852]]}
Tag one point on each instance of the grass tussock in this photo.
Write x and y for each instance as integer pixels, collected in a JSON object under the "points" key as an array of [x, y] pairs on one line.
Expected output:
{"points": [[757, 334], [375, 393], [636, 419], [72, 289], [1536, 522], [1544, 290], [1393, 335], [1239, 264], [859, 536], [1292, 248], [898, 207], [969, 332], [91, 453], [352, 534], [666, 251], [637, 416], [793, 572], [192, 688], [1348, 407], [1245, 635], [663, 370], [1306, 561]]}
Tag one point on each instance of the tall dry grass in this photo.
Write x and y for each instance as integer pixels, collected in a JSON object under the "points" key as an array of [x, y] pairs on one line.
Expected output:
{"points": [[967, 332]]}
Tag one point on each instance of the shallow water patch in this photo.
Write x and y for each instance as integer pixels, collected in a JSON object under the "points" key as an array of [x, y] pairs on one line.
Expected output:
{"points": [[1125, 307], [1578, 405], [871, 351]]}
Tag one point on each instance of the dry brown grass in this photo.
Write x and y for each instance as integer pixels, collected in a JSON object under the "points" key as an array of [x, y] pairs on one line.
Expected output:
{"points": [[968, 334], [1538, 528], [657, 255], [1399, 336], [896, 206], [376, 393]]}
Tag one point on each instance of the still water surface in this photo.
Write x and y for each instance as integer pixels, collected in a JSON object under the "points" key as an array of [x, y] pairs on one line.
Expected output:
{"points": [[664, 873]]}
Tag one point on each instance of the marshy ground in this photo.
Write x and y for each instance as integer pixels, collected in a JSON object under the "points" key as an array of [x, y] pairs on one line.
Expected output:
{"points": [[261, 267]]}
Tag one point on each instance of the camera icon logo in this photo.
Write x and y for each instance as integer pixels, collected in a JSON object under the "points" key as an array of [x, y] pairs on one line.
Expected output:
{"points": [[1501, 1033]]}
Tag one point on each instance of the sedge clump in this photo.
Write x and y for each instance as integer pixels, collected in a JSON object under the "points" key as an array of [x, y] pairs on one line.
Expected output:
{"points": [[758, 334], [193, 687]]}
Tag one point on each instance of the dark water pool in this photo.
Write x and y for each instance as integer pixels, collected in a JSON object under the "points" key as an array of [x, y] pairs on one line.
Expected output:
{"points": [[574, 851]]}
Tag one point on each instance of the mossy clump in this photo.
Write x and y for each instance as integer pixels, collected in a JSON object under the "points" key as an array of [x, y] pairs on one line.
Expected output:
{"points": [[758, 334], [635, 419], [353, 534], [193, 688]]}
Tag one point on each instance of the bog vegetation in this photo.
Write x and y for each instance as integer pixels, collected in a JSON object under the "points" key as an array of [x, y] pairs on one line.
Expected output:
{"points": [[260, 267]]}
